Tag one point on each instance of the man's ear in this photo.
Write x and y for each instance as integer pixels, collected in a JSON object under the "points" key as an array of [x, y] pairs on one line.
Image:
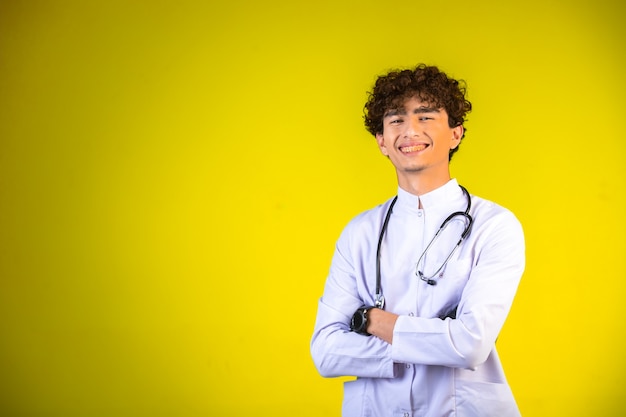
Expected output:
{"points": [[380, 140], [457, 134]]}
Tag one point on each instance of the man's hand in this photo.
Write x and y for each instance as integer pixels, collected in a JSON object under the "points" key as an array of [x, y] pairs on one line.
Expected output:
{"points": [[380, 323]]}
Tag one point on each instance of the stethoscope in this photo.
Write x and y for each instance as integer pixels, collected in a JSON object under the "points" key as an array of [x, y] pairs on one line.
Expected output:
{"points": [[468, 220]]}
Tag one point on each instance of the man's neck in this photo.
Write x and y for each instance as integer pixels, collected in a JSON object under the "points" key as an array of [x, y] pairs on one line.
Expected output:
{"points": [[417, 185]]}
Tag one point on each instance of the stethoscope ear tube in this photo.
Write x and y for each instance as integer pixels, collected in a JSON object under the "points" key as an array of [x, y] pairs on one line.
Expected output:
{"points": [[470, 219], [468, 228], [380, 299]]}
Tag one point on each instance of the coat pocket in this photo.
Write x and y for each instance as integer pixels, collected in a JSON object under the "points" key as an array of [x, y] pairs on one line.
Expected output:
{"points": [[447, 291], [485, 399]]}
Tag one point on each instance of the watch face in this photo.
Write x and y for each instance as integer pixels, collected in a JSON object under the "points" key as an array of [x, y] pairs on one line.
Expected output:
{"points": [[358, 321]]}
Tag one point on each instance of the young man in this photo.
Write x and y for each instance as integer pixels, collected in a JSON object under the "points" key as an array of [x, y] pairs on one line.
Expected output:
{"points": [[420, 286]]}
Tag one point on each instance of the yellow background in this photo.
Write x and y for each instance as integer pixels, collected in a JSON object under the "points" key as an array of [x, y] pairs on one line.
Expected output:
{"points": [[174, 175]]}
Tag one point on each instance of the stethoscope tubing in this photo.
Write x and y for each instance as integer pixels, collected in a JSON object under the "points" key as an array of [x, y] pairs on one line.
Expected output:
{"points": [[380, 299]]}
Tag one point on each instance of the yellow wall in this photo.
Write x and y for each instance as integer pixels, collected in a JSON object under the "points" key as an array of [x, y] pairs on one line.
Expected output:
{"points": [[174, 175]]}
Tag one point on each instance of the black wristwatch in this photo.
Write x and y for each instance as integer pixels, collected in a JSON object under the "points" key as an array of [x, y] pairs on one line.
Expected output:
{"points": [[358, 324]]}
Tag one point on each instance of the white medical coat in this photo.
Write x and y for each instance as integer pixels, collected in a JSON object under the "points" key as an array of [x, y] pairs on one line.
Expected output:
{"points": [[434, 367]]}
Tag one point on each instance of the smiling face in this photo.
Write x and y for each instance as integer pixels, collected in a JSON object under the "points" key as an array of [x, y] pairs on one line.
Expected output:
{"points": [[417, 139]]}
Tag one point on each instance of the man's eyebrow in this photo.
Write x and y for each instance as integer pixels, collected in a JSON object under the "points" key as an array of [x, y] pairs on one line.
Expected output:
{"points": [[395, 112], [417, 110], [425, 109]]}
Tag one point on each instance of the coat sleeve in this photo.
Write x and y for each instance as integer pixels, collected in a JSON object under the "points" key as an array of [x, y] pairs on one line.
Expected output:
{"points": [[337, 351], [466, 342]]}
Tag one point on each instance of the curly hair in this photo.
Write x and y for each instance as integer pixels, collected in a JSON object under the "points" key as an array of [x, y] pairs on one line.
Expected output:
{"points": [[428, 84]]}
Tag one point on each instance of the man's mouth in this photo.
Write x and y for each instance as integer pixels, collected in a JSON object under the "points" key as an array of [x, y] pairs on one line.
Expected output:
{"points": [[413, 148]]}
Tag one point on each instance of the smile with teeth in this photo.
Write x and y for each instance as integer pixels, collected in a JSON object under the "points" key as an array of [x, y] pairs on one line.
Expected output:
{"points": [[414, 148]]}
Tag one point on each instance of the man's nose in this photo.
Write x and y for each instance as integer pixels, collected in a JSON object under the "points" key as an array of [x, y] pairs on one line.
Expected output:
{"points": [[413, 127]]}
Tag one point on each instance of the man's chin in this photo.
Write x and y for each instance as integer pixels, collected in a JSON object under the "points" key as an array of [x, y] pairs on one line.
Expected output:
{"points": [[413, 169]]}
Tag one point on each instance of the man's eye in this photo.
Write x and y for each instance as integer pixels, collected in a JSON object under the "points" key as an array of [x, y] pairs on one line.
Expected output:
{"points": [[395, 121], [426, 118]]}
